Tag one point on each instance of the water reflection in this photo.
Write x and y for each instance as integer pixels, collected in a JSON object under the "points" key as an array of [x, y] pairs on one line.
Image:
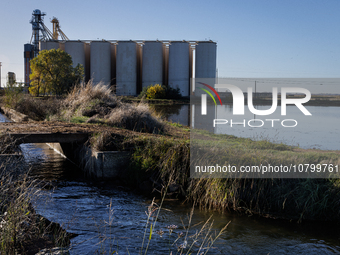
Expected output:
{"points": [[48, 165], [177, 113], [317, 131]]}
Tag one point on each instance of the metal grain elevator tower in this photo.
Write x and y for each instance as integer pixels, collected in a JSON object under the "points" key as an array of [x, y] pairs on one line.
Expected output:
{"points": [[39, 31]]}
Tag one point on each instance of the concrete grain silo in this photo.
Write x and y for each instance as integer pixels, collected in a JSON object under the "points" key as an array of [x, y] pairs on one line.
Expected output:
{"points": [[100, 62], [139, 67], [48, 45], [165, 63], [126, 68], [205, 62], [76, 49], [179, 67], [113, 64], [87, 62], [62, 45], [152, 63]]}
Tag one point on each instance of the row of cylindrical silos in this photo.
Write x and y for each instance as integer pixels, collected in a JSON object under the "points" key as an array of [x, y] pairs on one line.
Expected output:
{"points": [[131, 66]]}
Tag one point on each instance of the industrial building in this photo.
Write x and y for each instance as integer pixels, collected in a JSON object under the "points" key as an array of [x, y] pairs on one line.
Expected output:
{"points": [[11, 78], [128, 65]]}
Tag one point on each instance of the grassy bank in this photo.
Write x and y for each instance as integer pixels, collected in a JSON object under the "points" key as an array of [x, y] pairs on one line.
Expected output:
{"points": [[131, 99], [163, 160]]}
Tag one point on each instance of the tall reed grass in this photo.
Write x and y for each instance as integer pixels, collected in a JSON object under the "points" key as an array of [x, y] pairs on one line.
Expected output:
{"points": [[137, 117], [22, 230], [38, 109], [160, 158], [186, 239], [88, 100]]}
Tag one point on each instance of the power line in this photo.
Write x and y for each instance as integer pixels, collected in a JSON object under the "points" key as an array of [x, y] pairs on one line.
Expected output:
{"points": [[311, 81]]}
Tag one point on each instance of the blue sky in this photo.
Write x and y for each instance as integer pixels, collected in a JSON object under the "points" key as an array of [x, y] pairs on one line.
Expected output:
{"points": [[263, 38]]}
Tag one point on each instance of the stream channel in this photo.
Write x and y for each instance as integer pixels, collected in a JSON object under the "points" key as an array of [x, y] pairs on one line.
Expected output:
{"points": [[83, 207]]}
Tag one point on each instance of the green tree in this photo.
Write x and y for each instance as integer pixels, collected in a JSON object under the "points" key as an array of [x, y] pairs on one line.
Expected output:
{"points": [[13, 94], [53, 73], [36, 84]]}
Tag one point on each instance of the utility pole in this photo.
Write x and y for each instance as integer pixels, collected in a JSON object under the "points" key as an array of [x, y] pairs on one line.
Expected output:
{"points": [[254, 100], [255, 89], [0, 74]]}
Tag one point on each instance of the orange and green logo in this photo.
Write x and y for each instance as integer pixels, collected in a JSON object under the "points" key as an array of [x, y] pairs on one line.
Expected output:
{"points": [[208, 92]]}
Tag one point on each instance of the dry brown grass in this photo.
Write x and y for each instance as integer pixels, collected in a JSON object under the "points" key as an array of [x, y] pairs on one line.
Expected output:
{"points": [[38, 108], [22, 230], [137, 117], [98, 104], [89, 100], [85, 93], [107, 141], [7, 145]]}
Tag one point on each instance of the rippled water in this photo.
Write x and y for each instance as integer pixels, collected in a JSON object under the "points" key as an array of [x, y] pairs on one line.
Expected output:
{"points": [[83, 208], [3, 118]]}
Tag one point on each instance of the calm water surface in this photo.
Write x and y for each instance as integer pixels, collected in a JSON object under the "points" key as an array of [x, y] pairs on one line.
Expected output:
{"points": [[319, 131]]}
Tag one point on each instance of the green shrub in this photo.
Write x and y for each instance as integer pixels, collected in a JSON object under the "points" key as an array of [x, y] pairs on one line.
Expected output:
{"points": [[158, 91], [172, 93], [13, 94]]}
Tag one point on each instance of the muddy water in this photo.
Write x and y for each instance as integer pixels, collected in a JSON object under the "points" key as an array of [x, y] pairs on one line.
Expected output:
{"points": [[83, 207]]}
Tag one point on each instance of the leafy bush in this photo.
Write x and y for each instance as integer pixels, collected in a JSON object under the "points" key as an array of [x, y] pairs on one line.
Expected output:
{"points": [[172, 93], [143, 93], [158, 91], [13, 94]]}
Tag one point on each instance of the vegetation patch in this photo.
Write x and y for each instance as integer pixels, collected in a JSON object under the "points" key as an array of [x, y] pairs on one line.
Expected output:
{"points": [[79, 119], [161, 160], [22, 230], [106, 141], [88, 100], [38, 109], [53, 73], [136, 117], [7, 145], [97, 104], [12, 95], [159, 91]]}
